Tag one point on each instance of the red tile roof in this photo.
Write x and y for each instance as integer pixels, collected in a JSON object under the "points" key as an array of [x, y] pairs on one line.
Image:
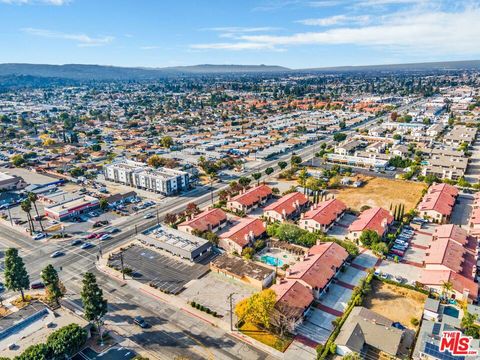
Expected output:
{"points": [[292, 297], [439, 198], [288, 203], [253, 195], [211, 217], [460, 283], [325, 212], [375, 219], [451, 231], [320, 265], [245, 228]]}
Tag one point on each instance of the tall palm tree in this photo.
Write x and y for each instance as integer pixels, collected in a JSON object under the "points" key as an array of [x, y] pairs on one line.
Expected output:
{"points": [[26, 206], [33, 199], [447, 288]]}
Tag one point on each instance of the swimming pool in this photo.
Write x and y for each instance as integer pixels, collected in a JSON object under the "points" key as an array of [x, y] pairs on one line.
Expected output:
{"points": [[271, 260], [451, 311]]}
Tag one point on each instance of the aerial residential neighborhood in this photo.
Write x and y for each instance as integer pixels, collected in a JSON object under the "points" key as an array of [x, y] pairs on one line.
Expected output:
{"points": [[322, 208]]}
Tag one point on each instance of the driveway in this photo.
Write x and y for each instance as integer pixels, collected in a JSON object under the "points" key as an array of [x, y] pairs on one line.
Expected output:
{"points": [[365, 260], [351, 276], [337, 297], [461, 210]]}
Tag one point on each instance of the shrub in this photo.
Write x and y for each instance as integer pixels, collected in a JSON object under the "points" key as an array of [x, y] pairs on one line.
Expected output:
{"points": [[414, 321]]}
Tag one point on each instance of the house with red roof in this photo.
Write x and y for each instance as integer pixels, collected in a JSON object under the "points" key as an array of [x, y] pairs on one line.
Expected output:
{"points": [[287, 207], [322, 216], [376, 219], [474, 221], [293, 300], [308, 280], [209, 220], [451, 256], [243, 234], [437, 204], [250, 199]]}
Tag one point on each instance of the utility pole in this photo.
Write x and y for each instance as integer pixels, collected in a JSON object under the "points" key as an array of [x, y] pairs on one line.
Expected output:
{"points": [[230, 297], [211, 190], [121, 264], [136, 232], [158, 218], [10, 216]]}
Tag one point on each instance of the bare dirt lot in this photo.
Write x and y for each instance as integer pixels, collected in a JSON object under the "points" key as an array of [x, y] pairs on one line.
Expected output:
{"points": [[395, 302], [381, 192]]}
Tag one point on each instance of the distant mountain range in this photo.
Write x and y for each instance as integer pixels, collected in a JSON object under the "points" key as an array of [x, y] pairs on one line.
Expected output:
{"points": [[101, 72]]}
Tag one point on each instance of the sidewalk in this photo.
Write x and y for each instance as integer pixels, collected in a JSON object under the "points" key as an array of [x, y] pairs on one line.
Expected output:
{"points": [[182, 305]]}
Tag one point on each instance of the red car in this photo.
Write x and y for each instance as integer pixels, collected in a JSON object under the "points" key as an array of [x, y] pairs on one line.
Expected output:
{"points": [[397, 252], [99, 235], [91, 236]]}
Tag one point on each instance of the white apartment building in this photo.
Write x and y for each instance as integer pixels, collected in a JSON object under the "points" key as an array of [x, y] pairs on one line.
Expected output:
{"points": [[162, 180]]}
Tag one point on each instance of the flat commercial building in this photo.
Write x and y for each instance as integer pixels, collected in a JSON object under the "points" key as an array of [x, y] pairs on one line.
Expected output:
{"points": [[162, 180], [178, 243], [72, 207]]}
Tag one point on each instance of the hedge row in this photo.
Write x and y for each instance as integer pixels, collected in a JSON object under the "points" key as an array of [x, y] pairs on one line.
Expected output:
{"points": [[203, 308]]}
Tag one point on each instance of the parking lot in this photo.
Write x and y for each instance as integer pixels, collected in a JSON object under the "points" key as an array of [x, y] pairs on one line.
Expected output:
{"points": [[213, 290], [165, 272], [409, 266]]}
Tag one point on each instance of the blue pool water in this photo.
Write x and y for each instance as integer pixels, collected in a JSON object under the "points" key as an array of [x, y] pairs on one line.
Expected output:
{"points": [[451, 311], [271, 260]]}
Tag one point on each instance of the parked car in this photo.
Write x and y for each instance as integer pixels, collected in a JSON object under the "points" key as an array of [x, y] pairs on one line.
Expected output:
{"points": [[140, 321], [37, 285], [2, 287], [398, 252], [57, 254]]}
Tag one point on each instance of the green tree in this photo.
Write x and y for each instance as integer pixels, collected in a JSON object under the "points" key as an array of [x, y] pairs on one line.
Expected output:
{"points": [[282, 164], [447, 288], [16, 276], [54, 287], [103, 203], [295, 160], [256, 177], [302, 177], [369, 237], [17, 160], [94, 305], [67, 341], [244, 181], [338, 137], [352, 356], [36, 352], [380, 248], [269, 171]]}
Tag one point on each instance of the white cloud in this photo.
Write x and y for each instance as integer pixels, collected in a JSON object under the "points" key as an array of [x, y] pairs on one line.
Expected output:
{"points": [[82, 40], [434, 32], [324, 3], [389, 2], [240, 29], [28, 2], [233, 46], [336, 20]]}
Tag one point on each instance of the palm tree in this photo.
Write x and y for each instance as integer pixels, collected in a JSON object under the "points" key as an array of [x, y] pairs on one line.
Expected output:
{"points": [[302, 178], [33, 199], [26, 206], [447, 288]]}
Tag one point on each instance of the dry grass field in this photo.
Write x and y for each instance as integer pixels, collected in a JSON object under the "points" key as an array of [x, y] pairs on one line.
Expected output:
{"points": [[395, 302], [381, 192]]}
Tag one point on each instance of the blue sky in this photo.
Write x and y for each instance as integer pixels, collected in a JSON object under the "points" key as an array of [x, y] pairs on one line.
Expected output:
{"points": [[292, 33]]}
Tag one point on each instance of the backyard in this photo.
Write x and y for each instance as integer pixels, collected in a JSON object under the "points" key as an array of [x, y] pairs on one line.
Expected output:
{"points": [[395, 302], [381, 192]]}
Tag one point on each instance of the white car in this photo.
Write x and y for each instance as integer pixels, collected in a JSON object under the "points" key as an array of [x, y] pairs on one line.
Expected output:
{"points": [[39, 236], [105, 237], [148, 216]]}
